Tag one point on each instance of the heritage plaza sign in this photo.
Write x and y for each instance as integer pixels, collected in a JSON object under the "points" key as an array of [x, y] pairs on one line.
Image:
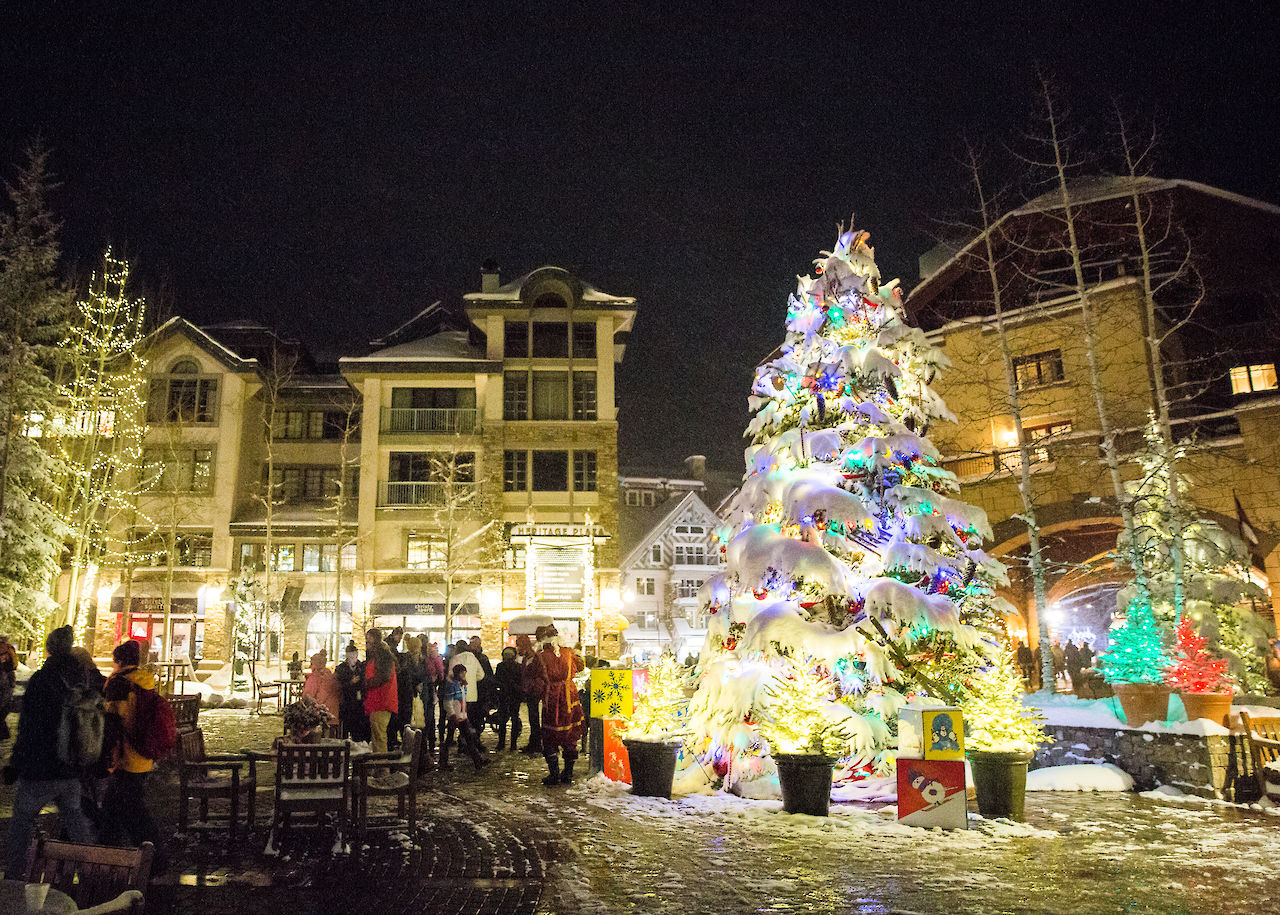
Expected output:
{"points": [[558, 530]]}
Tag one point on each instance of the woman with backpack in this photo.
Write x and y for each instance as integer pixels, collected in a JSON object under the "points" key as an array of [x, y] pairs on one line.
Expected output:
{"points": [[131, 695]]}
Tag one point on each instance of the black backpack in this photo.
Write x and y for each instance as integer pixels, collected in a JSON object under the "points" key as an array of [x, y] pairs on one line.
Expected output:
{"points": [[81, 727]]}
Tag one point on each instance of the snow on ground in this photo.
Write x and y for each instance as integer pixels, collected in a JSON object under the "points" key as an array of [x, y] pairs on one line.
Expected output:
{"points": [[724, 809], [1070, 711], [1105, 777]]}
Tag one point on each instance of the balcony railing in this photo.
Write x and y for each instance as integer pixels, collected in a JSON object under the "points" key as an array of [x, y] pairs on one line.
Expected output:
{"points": [[429, 493], [996, 463], [408, 421]]}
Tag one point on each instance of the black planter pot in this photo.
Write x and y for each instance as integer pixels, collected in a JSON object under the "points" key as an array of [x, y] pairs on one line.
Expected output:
{"points": [[806, 782], [653, 766], [1000, 781]]}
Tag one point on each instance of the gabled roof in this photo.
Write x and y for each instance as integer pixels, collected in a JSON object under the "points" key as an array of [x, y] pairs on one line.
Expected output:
{"points": [[182, 327], [510, 292], [691, 501], [1083, 192]]}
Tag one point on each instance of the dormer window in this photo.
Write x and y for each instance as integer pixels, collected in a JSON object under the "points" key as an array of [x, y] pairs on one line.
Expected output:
{"points": [[182, 396], [1247, 379]]}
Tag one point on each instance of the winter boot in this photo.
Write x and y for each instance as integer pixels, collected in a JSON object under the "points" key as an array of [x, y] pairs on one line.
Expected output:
{"points": [[566, 777], [443, 765], [502, 738], [516, 727], [553, 767]]}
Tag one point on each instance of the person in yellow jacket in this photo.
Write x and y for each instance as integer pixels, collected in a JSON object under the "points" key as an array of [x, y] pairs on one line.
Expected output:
{"points": [[126, 820]]}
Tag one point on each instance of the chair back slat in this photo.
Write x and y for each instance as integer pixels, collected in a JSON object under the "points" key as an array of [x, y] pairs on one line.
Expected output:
{"points": [[191, 746], [89, 874], [186, 712], [311, 763]]}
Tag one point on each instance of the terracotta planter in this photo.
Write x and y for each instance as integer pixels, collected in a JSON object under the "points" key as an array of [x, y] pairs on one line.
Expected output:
{"points": [[1142, 702], [1214, 706], [806, 782], [1000, 783]]}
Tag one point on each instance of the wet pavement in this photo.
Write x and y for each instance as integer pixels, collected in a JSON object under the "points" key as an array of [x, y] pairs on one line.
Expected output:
{"points": [[498, 841]]}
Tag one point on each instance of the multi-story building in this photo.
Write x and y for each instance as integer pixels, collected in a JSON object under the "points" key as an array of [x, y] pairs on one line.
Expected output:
{"points": [[668, 527], [461, 469], [1217, 321]]}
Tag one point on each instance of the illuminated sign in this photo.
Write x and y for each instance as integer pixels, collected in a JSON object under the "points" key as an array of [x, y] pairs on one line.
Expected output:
{"points": [[558, 530]]}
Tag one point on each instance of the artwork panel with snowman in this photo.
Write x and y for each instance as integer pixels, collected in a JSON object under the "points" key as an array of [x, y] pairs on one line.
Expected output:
{"points": [[931, 793]]}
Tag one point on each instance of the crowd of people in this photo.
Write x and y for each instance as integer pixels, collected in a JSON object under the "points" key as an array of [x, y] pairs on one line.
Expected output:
{"points": [[457, 696], [68, 706], [1068, 662]]}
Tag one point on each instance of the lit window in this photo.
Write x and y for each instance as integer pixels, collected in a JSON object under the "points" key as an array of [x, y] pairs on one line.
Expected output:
{"points": [[644, 586], [426, 552], [689, 587], [1038, 369], [584, 471], [1245, 379]]}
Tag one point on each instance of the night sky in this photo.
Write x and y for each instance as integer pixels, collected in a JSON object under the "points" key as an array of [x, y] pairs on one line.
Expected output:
{"points": [[331, 172]]}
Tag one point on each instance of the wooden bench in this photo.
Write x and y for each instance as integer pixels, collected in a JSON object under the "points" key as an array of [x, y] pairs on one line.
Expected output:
{"points": [[1264, 745]]}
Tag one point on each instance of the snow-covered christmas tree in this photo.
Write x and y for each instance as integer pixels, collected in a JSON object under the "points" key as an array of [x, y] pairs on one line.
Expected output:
{"points": [[852, 572]]}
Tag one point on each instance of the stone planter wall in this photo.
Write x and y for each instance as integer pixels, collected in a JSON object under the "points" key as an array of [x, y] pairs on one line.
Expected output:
{"points": [[1212, 766]]}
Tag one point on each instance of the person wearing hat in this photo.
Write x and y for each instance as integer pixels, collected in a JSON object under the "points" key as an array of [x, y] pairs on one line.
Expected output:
{"points": [[533, 685], [322, 686], [350, 677], [563, 722], [125, 815], [42, 776]]}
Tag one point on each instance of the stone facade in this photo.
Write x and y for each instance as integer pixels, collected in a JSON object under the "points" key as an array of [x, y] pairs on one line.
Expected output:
{"points": [[1213, 766]]}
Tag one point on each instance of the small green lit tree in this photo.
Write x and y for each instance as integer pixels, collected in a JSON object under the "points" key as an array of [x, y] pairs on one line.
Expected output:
{"points": [[1137, 653]]}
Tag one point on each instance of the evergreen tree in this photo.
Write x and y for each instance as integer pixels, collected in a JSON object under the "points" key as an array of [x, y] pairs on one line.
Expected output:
{"points": [[659, 712], [1137, 653], [1194, 670], [853, 575], [34, 308], [1193, 563], [994, 716]]}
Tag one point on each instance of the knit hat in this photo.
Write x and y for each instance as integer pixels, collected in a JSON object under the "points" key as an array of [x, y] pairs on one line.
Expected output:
{"points": [[127, 654], [60, 641]]}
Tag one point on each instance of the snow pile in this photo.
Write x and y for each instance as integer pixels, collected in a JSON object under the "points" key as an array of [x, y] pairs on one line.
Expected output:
{"points": [[1105, 777]]}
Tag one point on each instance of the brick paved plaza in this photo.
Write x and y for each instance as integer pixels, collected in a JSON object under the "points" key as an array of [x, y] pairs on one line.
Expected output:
{"points": [[497, 841]]}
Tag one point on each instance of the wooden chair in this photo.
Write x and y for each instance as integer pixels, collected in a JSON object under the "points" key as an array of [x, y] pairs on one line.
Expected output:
{"points": [[91, 874], [1264, 745], [312, 778], [265, 691], [204, 778], [400, 781], [186, 712]]}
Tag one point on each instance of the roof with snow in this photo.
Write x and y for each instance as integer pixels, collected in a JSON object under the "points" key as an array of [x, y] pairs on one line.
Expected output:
{"points": [[655, 521], [433, 339], [180, 326], [515, 291]]}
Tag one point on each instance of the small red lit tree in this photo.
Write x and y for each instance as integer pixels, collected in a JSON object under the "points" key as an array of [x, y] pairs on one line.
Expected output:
{"points": [[1195, 670]]}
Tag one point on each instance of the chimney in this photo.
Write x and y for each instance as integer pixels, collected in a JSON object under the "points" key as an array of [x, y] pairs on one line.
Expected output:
{"points": [[489, 279], [697, 466]]}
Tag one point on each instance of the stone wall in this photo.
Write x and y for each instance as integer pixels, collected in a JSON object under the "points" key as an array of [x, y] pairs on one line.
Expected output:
{"points": [[1208, 766]]}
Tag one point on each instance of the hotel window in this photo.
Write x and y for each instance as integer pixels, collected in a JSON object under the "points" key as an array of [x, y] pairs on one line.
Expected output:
{"points": [[319, 557], [515, 471], [690, 554], [655, 552], [288, 424], [515, 340], [688, 587], [1038, 369], [285, 557], [584, 341], [645, 586], [584, 395], [182, 396], [550, 395], [425, 552], [642, 497], [550, 471], [348, 557], [178, 470], [251, 557], [515, 395], [584, 471], [1245, 379], [550, 340]]}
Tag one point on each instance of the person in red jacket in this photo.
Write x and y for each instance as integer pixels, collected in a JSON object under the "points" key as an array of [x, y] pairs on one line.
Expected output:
{"points": [[562, 719], [381, 694]]}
